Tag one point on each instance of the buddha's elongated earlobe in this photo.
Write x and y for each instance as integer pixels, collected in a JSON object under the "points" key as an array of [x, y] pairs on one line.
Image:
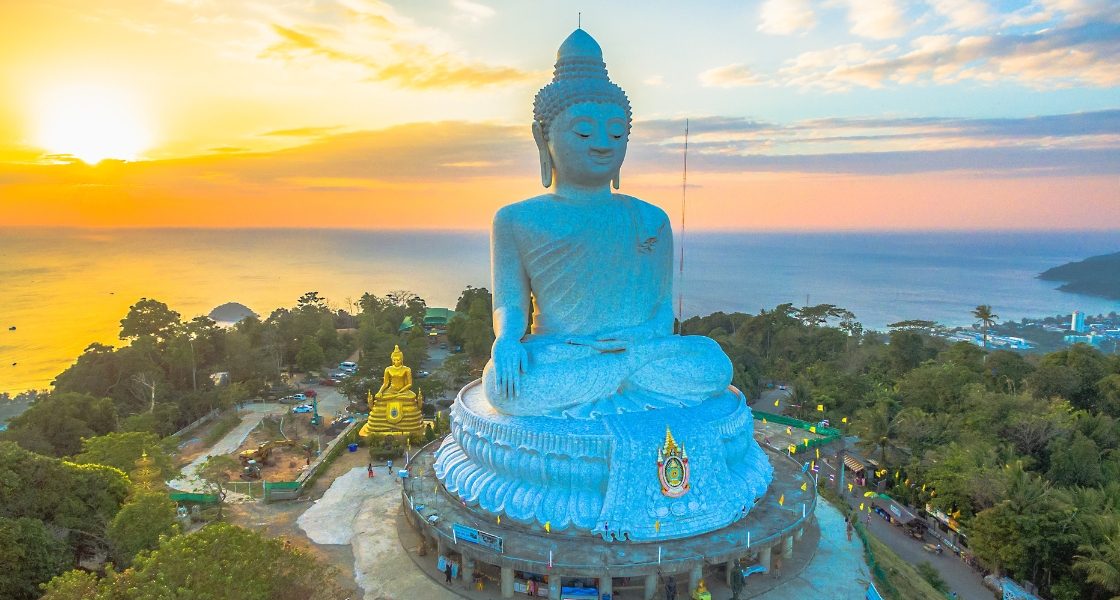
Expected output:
{"points": [[616, 178], [546, 158]]}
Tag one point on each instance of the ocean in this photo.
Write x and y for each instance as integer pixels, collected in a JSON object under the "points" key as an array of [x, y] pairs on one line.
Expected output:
{"points": [[67, 288]]}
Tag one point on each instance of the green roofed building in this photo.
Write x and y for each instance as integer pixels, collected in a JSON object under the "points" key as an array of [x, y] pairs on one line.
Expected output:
{"points": [[437, 318]]}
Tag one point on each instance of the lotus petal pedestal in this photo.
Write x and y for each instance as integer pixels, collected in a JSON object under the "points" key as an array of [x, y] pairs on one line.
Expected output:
{"points": [[639, 476]]}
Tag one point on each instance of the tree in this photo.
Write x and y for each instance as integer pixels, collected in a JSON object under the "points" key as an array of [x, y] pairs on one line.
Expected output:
{"points": [[215, 474], [985, 318], [310, 356], [149, 318], [121, 450], [220, 561], [31, 555], [1075, 461], [59, 422], [879, 428], [139, 525], [1101, 562]]}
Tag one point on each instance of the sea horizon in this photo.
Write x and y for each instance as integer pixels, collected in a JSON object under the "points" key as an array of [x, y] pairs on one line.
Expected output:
{"points": [[69, 287]]}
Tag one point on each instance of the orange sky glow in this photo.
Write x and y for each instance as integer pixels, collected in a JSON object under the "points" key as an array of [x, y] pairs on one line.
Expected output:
{"points": [[385, 115]]}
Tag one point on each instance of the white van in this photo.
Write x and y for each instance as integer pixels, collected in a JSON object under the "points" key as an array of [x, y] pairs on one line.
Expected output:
{"points": [[347, 366]]}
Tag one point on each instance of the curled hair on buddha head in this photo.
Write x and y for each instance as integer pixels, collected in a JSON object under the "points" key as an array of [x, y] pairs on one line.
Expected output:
{"points": [[396, 352], [580, 76]]}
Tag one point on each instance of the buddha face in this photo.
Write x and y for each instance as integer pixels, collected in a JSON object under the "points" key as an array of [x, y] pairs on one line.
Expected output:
{"points": [[588, 143], [397, 359]]}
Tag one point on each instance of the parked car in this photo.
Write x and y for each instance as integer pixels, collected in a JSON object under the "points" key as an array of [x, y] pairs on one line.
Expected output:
{"points": [[348, 366], [311, 393], [302, 408], [330, 382], [339, 375], [422, 374], [298, 397]]}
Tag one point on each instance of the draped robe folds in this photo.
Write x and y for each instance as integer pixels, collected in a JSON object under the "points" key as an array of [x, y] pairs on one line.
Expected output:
{"points": [[590, 271]]}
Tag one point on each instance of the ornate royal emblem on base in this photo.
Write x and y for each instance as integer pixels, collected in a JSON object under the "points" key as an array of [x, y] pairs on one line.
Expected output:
{"points": [[672, 467]]}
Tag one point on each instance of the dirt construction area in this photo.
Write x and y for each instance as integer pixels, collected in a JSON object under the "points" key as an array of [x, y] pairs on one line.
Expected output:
{"points": [[294, 444]]}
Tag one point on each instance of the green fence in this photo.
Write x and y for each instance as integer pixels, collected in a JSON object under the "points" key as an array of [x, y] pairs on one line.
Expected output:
{"points": [[193, 498], [828, 434]]}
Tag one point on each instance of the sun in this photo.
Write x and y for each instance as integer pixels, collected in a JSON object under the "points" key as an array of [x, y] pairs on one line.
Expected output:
{"points": [[92, 123]]}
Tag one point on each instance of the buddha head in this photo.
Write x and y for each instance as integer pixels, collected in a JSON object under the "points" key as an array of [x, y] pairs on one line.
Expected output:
{"points": [[581, 120], [397, 356]]}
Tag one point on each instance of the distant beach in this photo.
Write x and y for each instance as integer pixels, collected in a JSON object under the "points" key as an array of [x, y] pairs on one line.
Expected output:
{"points": [[65, 289]]}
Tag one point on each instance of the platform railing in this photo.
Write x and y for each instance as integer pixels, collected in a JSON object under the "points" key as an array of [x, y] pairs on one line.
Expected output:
{"points": [[677, 563]]}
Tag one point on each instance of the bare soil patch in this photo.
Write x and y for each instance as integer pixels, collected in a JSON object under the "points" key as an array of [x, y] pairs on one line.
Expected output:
{"points": [[286, 462]]}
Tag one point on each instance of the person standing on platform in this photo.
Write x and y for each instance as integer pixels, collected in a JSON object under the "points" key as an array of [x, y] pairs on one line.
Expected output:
{"points": [[447, 573]]}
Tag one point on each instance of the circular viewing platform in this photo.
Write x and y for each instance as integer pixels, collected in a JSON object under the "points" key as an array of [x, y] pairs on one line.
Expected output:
{"points": [[479, 538]]}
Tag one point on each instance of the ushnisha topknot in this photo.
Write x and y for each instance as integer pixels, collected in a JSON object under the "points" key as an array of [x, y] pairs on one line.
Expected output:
{"points": [[580, 76]]}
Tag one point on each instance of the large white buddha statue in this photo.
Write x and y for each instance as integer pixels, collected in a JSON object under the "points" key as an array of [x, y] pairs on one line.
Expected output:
{"points": [[598, 420], [593, 268]]}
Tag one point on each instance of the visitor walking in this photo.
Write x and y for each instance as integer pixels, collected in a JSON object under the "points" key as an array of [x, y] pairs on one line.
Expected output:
{"points": [[369, 470], [389, 465], [447, 572], [848, 526]]}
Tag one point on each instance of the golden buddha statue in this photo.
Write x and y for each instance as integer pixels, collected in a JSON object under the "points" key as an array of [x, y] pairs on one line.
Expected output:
{"points": [[397, 382], [395, 408]]}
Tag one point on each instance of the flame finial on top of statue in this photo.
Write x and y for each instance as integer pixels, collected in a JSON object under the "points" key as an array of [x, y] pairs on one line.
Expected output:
{"points": [[593, 268]]}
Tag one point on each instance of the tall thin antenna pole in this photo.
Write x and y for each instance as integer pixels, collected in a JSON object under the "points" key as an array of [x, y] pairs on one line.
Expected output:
{"points": [[680, 268], [579, 20]]}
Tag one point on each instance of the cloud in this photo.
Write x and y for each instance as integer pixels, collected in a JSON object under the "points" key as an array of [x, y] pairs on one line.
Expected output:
{"points": [[736, 75], [963, 14], [472, 11], [387, 47], [783, 17], [1067, 144], [1059, 57], [302, 132], [875, 19]]}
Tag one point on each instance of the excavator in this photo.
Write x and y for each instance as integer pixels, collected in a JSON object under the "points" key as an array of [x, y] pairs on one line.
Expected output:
{"points": [[261, 453]]}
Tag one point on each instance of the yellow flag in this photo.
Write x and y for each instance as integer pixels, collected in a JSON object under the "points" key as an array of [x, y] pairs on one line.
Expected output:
{"points": [[657, 526], [907, 482], [806, 441], [812, 465], [923, 487], [789, 431], [861, 506], [548, 526], [868, 494], [792, 449], [849, 487], [897, 474], [775, 403], [820, 408], [763, 420], [844, 420], [499, 519], [782, 500], [813, 429], [804, 487], [933, 493], [957, 514], [818, 452]]}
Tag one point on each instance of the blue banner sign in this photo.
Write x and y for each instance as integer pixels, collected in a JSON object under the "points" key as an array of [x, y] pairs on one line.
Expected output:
{"points": [[872, 593], [474, 536]]}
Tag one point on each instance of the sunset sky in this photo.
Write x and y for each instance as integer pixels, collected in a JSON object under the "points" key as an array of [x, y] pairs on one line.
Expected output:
{"points": [[833, 114]]}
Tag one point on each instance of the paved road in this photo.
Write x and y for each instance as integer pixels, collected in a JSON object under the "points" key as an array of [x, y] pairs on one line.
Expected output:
{"points": [[961, 578]]}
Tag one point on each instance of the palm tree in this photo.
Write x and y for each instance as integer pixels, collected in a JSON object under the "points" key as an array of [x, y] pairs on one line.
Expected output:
{"points": [[1101, 563], [986, 318], [878, 429]]}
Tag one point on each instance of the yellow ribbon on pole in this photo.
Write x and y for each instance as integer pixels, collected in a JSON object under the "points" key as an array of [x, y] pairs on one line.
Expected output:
{"points": [[782, 500]]}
